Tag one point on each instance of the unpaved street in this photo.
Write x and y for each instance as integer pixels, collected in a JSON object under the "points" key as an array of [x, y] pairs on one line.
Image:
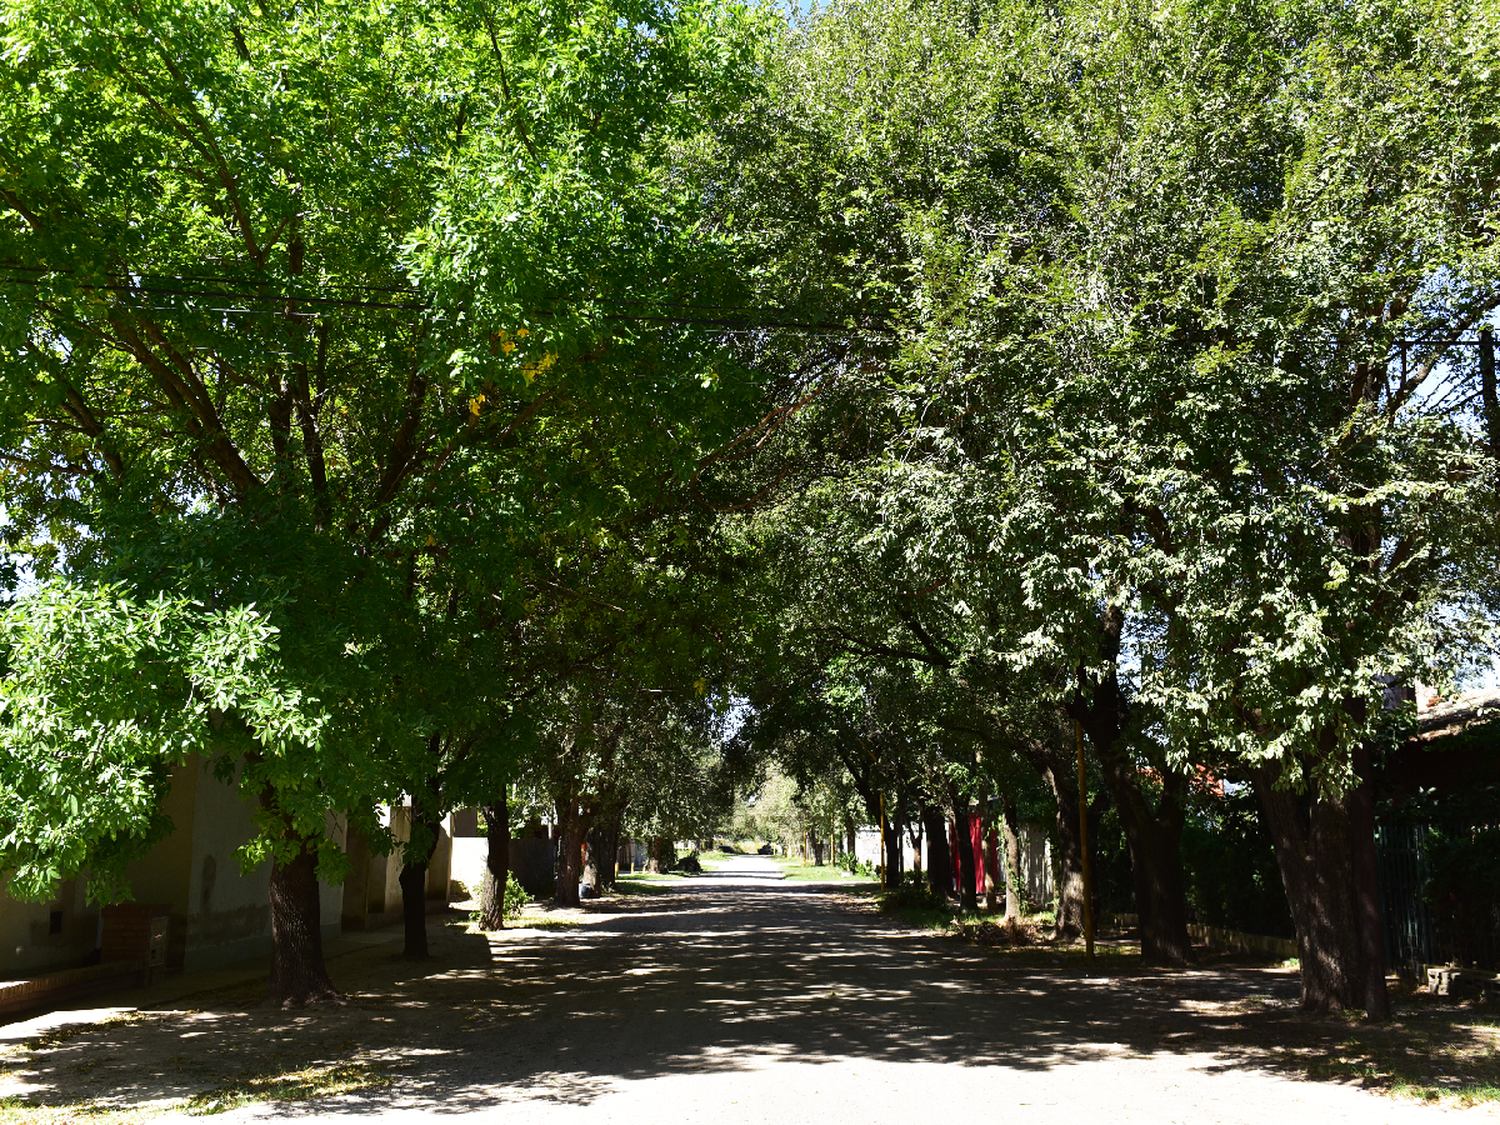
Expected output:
{"points": [[737, 997]]}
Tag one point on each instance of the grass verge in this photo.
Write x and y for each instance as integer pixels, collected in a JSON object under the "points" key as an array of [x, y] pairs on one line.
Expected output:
{"points": [[290, 1086], [1433, 1051], [793, 868]]}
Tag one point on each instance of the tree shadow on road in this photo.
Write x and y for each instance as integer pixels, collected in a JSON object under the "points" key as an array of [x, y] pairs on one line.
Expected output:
{"points": [[715, 978]]}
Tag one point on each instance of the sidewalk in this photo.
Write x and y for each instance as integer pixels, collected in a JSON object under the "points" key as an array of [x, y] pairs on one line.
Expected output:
{"points": [[173, 991]]}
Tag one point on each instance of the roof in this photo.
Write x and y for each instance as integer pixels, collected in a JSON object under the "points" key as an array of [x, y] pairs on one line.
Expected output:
{"points": [[1452, 717]]}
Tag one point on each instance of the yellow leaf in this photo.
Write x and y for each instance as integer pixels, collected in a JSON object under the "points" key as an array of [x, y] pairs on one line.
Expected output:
{"points": [[475, 403]]}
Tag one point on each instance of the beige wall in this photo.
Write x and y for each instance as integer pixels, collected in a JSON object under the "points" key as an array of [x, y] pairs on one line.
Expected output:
{"points": [[219, 913], [222, 913], [26, 945]]}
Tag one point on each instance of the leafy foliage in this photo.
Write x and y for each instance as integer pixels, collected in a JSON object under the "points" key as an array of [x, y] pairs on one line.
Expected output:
{"points": [[100, 696]]}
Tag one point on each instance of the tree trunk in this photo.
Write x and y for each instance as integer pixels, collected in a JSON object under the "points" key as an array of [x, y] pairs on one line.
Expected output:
{"points": [[939, 862], [1015, 887], [496, 862], [413, 879], [603, 845], [1366, 889], [593, 859], [656, 855], [1153, 836], [570, 842], [968, 901], [1314, 852], [1067, 858], [914, 837], [991, 864], [892, 858], [1154, 840], [849, 833], [298, 975]]}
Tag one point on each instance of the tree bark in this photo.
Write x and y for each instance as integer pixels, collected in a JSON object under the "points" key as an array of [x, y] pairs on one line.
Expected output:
{"points": [[892, 859], [1154, 839], [1315, 854], [1366, 888], [1015, 887], [1068, 857], [298, 975], [991, 864], [496, 862], [656, 855], [603, 844], [968, 901], [413, 879], [939, 862], [1153, 836], [570, 849]]}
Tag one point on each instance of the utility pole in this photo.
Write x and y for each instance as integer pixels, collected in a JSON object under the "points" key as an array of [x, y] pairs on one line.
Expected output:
{"points": [[1083, 843], [1487, 388]]}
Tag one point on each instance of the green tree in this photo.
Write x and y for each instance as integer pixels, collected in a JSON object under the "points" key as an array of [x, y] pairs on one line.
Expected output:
{"points": [[279, 292]]}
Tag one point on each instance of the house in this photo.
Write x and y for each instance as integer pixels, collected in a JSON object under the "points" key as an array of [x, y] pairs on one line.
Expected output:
{"points": [[215, 913]]}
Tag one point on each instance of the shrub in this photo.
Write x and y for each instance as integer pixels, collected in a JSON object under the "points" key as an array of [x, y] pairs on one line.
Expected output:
{"points": [[855, 866], [515, 896], [911, 896], [689, 864], [1009, 932], [1229, 866]]}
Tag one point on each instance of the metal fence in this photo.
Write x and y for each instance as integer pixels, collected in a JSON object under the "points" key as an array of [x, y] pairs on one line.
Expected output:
{"points": [[1401, 863], [1438, 917]]}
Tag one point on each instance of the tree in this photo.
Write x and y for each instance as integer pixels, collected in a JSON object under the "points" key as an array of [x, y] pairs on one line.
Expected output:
{"points": [[99, 697], [243, 314]]}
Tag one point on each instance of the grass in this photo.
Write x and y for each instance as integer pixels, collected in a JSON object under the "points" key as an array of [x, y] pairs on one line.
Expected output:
{"points": [[320, 1081], [793, 868], [637, 885], [1431, 1052], [922, 918], [533, 921], [19, 1111], [291, 1086]]}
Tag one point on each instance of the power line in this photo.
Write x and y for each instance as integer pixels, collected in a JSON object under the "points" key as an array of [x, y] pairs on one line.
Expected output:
{"points": [[740, 325]]}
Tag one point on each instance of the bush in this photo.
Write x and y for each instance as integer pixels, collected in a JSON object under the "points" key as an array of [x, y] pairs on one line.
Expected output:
{"points": [[911, 896], [853, 866], [689, 864], [1229, 866], [1009, 932], [516, 897]]}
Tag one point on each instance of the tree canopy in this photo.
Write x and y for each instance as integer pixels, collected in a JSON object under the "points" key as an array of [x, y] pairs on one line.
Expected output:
{"points": [[636, 398]]}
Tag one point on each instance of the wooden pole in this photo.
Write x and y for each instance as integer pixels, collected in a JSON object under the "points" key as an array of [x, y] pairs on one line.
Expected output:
{"points": [[1487, 388], [1083, 843]]}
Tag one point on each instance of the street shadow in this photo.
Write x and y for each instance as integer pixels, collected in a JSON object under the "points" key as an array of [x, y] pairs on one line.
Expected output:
{"points": [[707, 978]]}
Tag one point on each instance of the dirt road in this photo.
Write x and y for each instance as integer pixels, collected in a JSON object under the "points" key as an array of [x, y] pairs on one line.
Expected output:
{"points": [[734, 997]]}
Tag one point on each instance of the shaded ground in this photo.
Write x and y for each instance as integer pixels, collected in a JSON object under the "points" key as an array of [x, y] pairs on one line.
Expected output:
{"points": [[739, 996]]}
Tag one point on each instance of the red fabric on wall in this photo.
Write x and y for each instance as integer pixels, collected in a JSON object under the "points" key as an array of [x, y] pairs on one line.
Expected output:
{"points": [[976, 841], [974, 830]]}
